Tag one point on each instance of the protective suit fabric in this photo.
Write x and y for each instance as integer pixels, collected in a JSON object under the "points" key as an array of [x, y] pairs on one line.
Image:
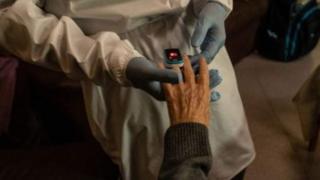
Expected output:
{"points": [[94, 16], [129, 124], [61, 44], [307, 102], [119, 16]]}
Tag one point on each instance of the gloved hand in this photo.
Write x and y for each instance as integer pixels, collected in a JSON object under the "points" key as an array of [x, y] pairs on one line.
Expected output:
{"points": [[214, 80], [209, 34], [146, 76]]}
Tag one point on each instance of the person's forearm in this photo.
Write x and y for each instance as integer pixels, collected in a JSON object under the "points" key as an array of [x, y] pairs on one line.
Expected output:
{"points": [[34, 36], [187, 153]]}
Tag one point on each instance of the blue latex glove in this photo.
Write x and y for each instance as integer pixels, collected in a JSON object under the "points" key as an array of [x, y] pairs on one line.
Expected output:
{"points": [[215, 80], [209, 34], [146, 76]]}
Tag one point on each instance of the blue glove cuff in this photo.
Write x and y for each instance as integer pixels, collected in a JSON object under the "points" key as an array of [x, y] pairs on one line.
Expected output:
{"points": [[226, 7]]}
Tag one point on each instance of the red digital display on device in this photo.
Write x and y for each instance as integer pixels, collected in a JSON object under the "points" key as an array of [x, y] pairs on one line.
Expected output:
{"points": [[173, 54]]}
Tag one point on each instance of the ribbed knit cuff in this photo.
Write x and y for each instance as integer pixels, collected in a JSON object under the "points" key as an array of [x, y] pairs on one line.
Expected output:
{"points": [[186, 140]]}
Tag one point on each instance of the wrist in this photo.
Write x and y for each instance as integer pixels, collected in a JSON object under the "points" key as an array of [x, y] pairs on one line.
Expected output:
{"points": [[225, 8], [202, 121], [119, 61], [186, 140]]}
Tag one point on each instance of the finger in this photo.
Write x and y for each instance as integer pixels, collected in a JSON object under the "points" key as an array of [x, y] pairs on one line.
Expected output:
{"points": [[154, 89], [164, 75], [194, 59], [140, 70], [161, 65], [199, 33], [188, 71], [168, 90], [195, 63], [167, 87], [196, 68], [214, 78], [203, 73], [213, 43]]}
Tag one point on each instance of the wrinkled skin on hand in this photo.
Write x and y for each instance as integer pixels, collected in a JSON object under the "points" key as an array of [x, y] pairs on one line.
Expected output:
{"points": [[188, 101]]}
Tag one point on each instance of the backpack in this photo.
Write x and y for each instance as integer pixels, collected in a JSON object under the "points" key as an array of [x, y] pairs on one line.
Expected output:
{"points": [[290, 29]]}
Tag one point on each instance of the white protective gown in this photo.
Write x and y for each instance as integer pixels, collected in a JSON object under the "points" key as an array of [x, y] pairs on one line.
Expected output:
{"points": [[93, 41]]}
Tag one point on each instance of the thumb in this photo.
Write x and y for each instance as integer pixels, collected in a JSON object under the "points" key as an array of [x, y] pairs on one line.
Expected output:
{"points": [[164, 76], [214, 41], [154, 89], [199, 33]]}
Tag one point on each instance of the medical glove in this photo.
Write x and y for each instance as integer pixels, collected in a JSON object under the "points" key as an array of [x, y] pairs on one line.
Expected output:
{"points": [[144, 75], [214, 80], [209, 34], [214, 77]]}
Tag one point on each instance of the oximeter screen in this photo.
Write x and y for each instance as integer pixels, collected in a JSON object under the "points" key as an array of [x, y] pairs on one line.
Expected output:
{"points": [[173, 54]]}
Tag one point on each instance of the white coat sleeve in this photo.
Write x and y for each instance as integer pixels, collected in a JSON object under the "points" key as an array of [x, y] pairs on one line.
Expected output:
{"points": [[43, 39], [199, 4]]}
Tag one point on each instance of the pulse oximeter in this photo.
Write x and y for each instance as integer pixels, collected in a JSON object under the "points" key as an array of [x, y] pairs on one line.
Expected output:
{"points": [[174, 61], [173, 58]]}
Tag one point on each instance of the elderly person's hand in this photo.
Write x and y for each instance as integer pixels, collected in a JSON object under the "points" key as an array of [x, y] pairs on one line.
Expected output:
{"points": [[188, 101]]}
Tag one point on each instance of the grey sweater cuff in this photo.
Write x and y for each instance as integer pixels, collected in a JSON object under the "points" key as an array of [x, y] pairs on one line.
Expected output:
{"points": [[186, 140]]}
